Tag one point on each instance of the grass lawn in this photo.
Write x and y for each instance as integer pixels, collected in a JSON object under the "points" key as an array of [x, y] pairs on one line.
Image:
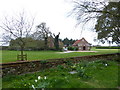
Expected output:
{"points": [[11, 56], [94, 74]]}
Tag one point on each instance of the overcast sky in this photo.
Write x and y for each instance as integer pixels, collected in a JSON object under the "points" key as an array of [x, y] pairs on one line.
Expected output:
{"points": [[53, 12]]}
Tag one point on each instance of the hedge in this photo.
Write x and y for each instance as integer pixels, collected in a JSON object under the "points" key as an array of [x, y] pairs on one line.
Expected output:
{"points": [[108, 47], [73, 48]]}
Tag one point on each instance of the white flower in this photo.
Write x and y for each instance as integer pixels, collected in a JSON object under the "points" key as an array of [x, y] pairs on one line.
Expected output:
{"points": [[45, 77], [105, 64], [39, 77], [33, 87], [35, 80]]}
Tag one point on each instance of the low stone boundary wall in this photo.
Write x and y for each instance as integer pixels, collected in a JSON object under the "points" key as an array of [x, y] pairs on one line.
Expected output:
{"points": [[16, 68]]}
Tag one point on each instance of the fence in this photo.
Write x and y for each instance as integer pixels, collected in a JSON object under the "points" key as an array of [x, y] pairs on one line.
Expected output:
{"points": [[24, 57]]}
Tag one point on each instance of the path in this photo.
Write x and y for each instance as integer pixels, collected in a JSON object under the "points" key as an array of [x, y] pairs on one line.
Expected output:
{"points": [[76, 51]]}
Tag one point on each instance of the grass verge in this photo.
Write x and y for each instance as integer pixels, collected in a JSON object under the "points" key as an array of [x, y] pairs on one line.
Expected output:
{"points": [[11, 56]]}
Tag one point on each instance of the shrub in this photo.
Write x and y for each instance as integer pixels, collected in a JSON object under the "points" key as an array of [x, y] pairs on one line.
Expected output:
{"points": [[107, 47], [4, 47], [70, 48], [43, 61], [68, 62], [73, 48], [60, 67]]}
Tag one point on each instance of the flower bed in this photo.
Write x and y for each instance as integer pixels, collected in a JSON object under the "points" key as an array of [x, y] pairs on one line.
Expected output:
{"points": [[88, 74]]}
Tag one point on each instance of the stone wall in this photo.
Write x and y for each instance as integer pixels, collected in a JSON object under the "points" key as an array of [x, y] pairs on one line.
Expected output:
{"points": [[21, 67]]}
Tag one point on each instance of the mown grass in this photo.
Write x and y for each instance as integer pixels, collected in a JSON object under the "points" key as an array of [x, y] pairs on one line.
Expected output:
{"points": [[11, 56], [95, 74]]}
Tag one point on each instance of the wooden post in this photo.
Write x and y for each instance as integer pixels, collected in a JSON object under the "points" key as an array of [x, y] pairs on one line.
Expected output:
{"points": [[22, 57]]}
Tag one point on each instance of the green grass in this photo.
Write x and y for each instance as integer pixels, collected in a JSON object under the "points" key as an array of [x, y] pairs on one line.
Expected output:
{"points": [[89, 75], [11, 56]]}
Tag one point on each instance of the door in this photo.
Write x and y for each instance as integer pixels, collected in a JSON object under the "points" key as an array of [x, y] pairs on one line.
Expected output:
{"points": [[84, 48]]}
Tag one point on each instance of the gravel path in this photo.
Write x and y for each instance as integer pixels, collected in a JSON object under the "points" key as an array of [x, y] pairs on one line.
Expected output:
{"points": [[76, 51]]}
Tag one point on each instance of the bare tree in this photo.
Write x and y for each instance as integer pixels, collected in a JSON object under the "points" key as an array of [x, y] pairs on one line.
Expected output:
{"points": [[44, 33], [56, 41], [105, 14], [17, 28], [86, 10]]}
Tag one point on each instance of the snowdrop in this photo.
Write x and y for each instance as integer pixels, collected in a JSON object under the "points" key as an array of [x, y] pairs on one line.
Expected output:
{"points": [[35, 80], [33, 87], [39, 77], [40, 82], [106, 64], [45, 77]]}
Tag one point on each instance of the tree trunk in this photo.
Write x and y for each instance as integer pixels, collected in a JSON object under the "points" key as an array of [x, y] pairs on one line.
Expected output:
{"points": [[56, 44], [22, 48], [45, 43], [57, 41]]}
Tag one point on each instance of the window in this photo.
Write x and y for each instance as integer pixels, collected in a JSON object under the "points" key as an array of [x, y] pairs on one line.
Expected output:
{"points": [[79, 44]]}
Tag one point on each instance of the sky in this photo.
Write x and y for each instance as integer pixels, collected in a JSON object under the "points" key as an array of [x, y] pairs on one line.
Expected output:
{"points": [[53, 12]]}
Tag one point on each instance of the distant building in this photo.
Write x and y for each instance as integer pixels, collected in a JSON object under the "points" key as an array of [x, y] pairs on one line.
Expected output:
{"points": [[82, 44], [51, 43]]}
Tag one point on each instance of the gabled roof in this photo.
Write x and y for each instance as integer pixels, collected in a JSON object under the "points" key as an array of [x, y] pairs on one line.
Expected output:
{"points": [[78, 41]]}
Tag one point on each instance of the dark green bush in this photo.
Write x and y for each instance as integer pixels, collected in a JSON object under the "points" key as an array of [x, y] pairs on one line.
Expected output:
{"points": [[107, 47], [43, 61], [73, 48], [4, 47], [60, 67]]}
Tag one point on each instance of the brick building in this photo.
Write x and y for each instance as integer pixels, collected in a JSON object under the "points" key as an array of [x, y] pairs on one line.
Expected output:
{"points": [[82, 45]]}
